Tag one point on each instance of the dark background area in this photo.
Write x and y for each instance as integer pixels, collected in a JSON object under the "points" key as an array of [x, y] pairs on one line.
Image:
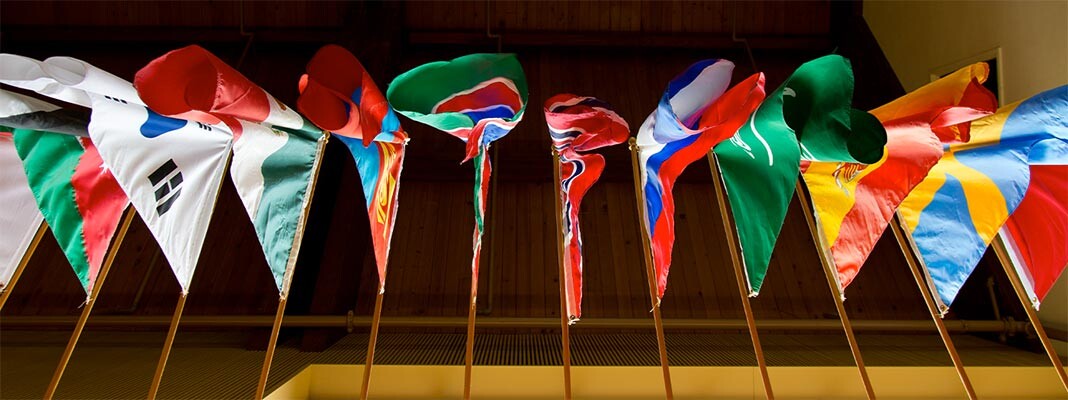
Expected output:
{"points": [[621, 52]]}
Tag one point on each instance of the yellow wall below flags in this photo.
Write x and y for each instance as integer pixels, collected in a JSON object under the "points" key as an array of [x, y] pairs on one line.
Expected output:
{"points": [[494, 382]]}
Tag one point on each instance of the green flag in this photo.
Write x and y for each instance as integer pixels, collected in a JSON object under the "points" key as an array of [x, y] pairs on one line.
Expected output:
{"points": [[808, 117]]}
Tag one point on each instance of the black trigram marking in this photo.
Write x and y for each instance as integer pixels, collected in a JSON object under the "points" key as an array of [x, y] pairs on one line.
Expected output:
{"points": [[167, 181], [204, 126], [116, 99]]}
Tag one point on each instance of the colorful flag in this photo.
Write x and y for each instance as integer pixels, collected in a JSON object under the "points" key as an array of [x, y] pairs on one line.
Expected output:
{"points": [[19, 215], [1037, 232], [170, 168], [578, 125], [77, 195], [695, 113], [854, 202], [275, 151], [478, 98], [339, 96], [809, 116], [954, 213], [191, 83]]}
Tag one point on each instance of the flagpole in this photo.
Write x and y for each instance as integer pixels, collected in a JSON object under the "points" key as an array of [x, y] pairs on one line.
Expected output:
{"points": [[650, 274], [373, 340], [561, 250], [167, 344], [469, 352], [157, 378], [22, 263], [836, 291], [928, 298], [272, 343], [99, 283], [739, 274], [470, 348], [1017, 285]]}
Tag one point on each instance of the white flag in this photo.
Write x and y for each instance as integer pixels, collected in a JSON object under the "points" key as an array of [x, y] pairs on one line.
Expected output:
{"points": [[19, 216], [170, 168]]}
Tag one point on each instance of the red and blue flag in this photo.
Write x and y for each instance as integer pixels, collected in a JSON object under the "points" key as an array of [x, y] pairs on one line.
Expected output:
{"points": [[695, 113], [338, 95], [578, 125]]}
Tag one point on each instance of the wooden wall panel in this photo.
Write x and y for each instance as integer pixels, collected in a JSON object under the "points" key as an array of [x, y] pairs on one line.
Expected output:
{"points": [[651, 16], [275, 14]]}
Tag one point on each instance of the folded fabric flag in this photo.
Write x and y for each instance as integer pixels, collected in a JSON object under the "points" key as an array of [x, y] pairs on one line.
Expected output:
{"points": [[19, 216], [809, 116], [170, 168], [954, 213], [275, 149], [578, 125], [1038, 231], [695, 113], [65, 78], [478, 98], [19, 111], [75, 192], [191, 83], [855, 202], [339, 96]]}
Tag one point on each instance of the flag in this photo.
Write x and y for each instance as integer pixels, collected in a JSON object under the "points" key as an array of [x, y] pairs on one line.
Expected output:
{"points": [[191, 83], [77, 195], [1038, 231], [854, 202], [20, 111], [19, 216], [954, 213], [578, 125], [695, 113], [809, 115], [275, 151], [478, 98], [64, 78], [339, 96], [170, 168]]}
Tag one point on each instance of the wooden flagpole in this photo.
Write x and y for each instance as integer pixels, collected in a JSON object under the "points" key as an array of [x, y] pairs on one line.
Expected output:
{"points": [[836, 291], [157, 378], [261, 387], [561, 249], [739, 273], [167, 344], [896, 225], [272, 343], [650, 274], [22, 263], [88, 308], [372, 341], [469, 353], [1017, 285]]}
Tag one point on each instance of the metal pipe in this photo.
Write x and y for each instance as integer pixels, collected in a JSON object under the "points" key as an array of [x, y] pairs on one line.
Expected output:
{"points": [[344, 321]]}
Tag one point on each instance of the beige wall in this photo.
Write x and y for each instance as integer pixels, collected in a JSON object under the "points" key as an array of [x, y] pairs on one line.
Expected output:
{"points": [[921, 38]]}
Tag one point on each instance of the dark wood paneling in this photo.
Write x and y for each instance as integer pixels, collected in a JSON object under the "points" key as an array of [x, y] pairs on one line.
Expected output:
{"points": [[766, 18]]}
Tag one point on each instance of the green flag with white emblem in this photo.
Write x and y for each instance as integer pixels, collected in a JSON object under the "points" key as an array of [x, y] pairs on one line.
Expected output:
{"points": [[808, 117]]}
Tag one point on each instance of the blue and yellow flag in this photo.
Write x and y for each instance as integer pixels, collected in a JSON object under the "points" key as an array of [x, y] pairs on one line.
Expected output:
{"points": [[966, 198]]}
